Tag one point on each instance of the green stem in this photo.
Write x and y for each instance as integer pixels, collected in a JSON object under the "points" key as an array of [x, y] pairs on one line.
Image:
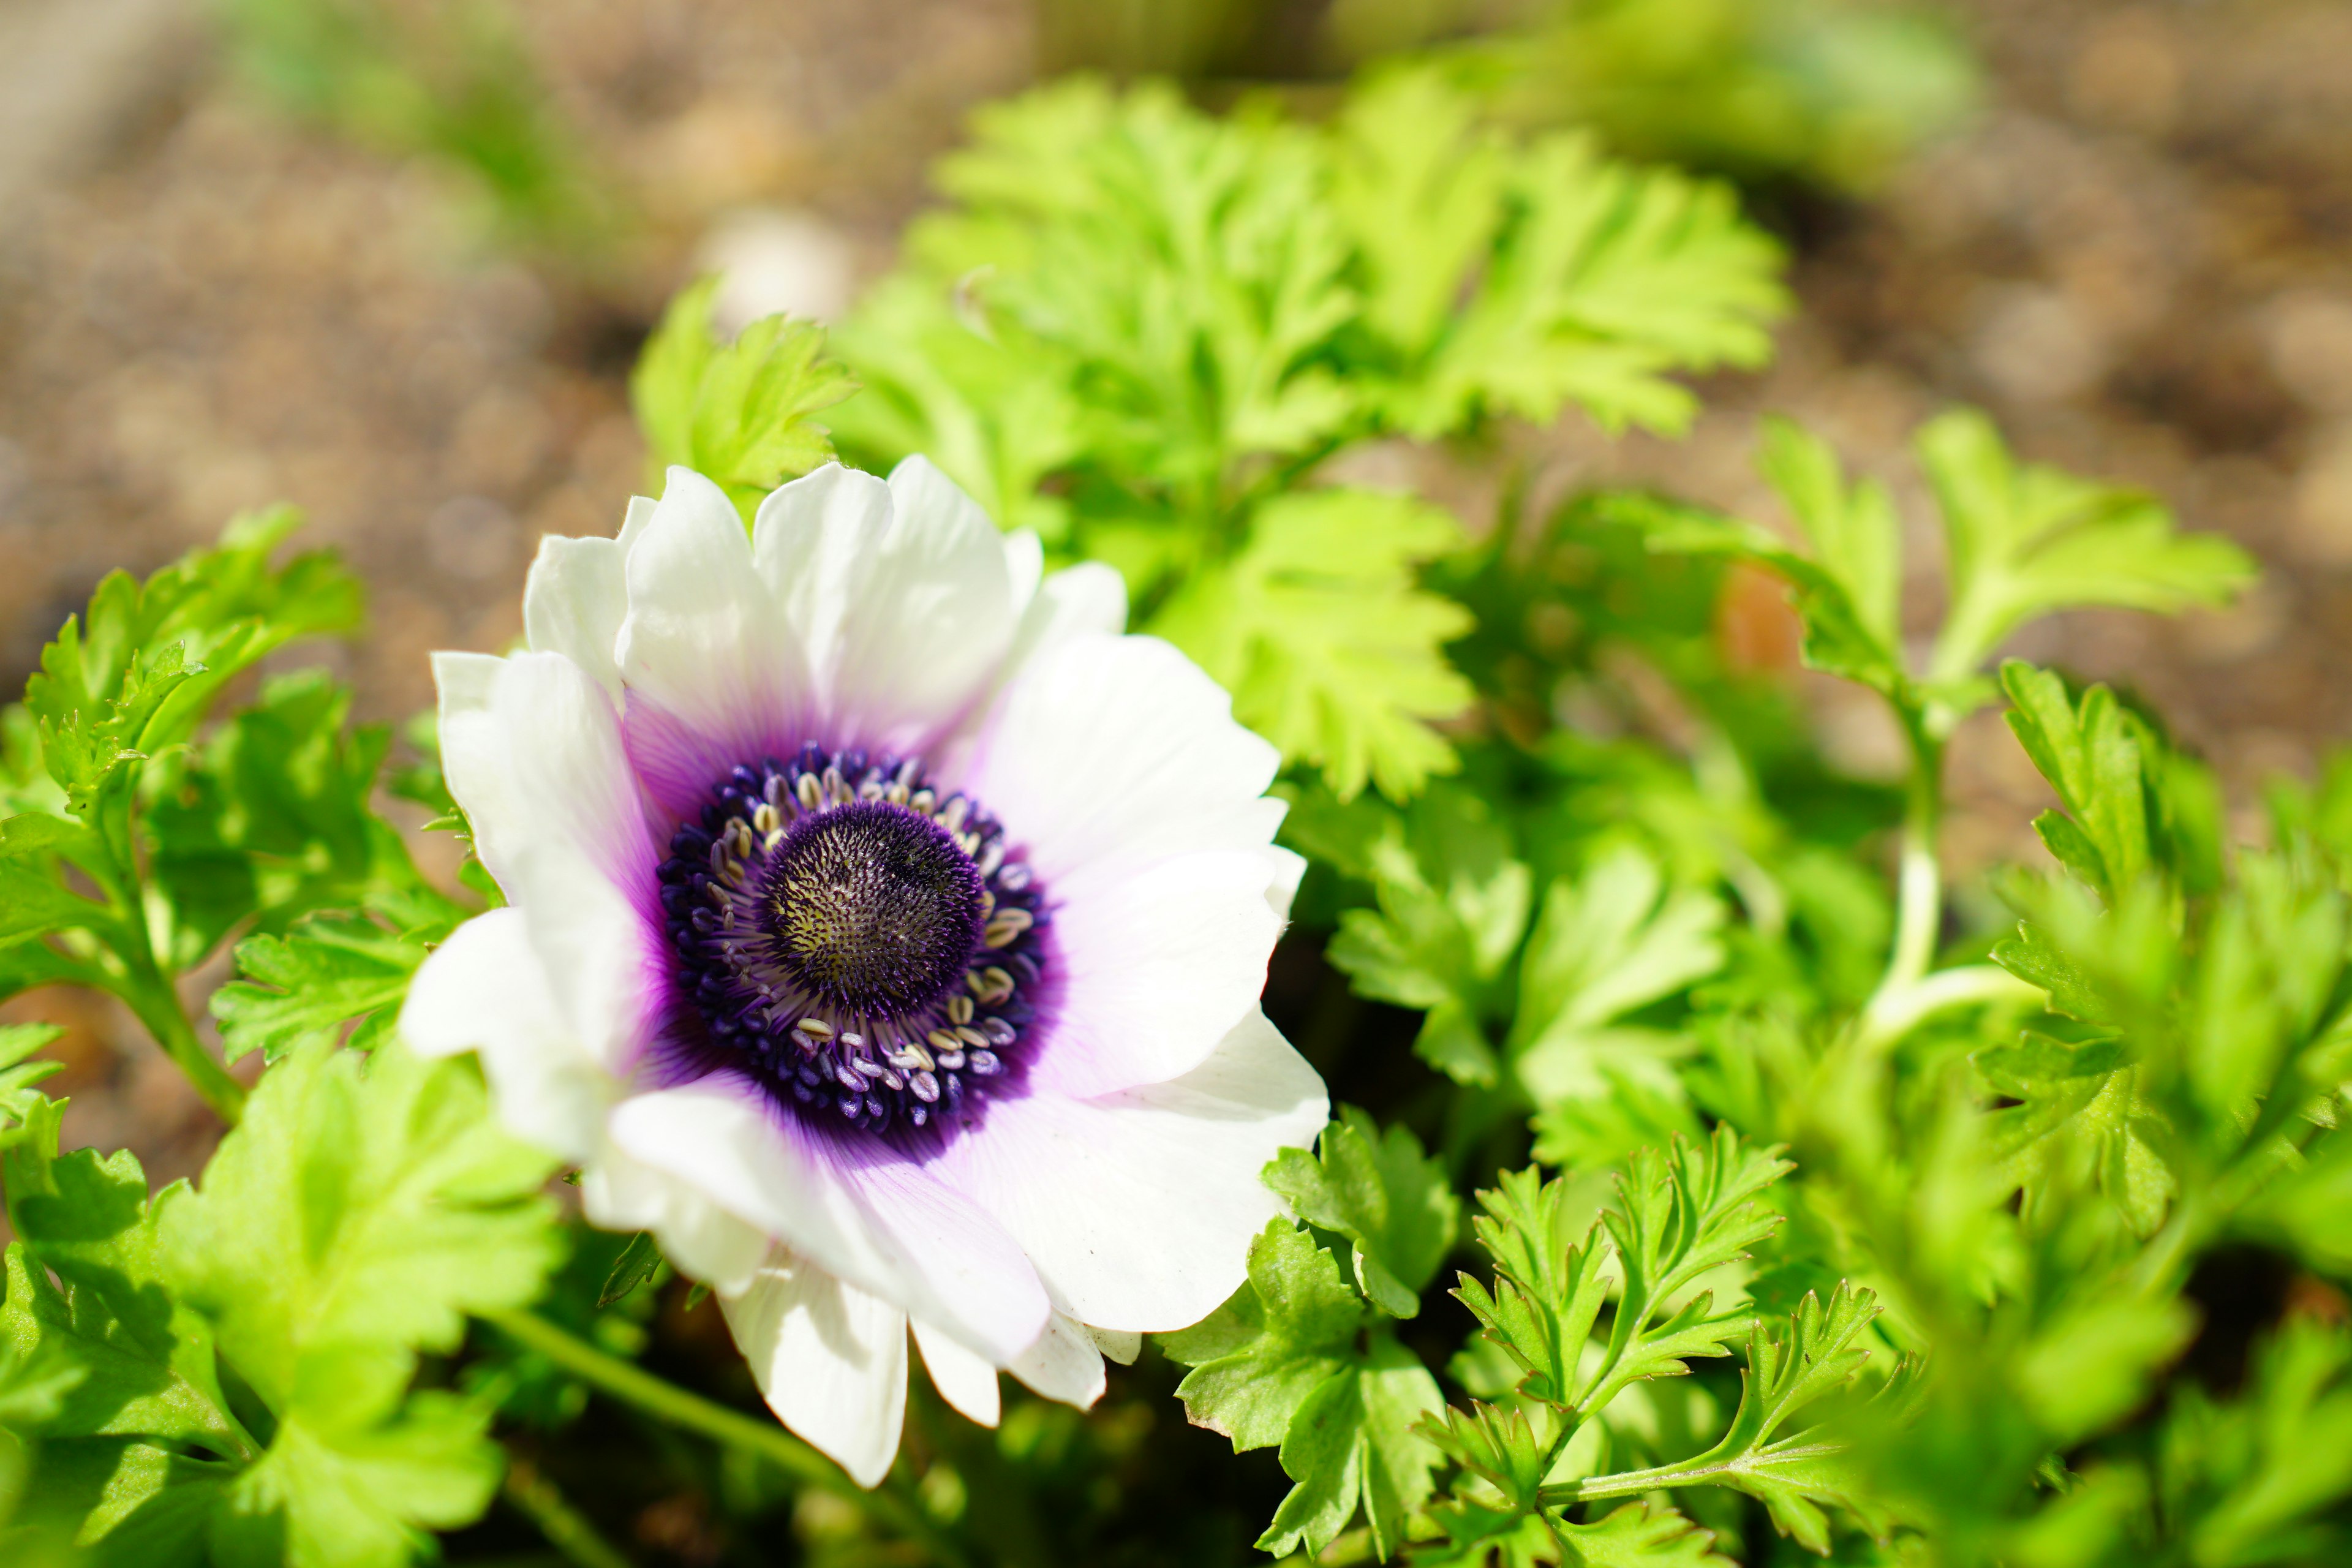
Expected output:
{"points": [[665, 1401], [1891, 1017], [1689, 1472], [1919, 898], [156, 1002], [148, 991], [566, 1528]]}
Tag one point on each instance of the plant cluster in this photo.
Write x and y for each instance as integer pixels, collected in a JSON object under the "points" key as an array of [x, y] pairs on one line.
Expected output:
{"points": [[1808, 1211]]}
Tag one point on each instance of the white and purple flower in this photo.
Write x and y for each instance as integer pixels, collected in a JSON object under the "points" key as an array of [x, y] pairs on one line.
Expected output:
{"points": [[884, 934]]}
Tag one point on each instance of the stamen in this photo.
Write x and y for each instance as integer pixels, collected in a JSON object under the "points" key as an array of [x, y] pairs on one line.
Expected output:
{"points": [[819, 904]]}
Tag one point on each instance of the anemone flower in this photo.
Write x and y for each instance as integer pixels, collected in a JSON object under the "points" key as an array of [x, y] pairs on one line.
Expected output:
{"points": [[884, 932]]}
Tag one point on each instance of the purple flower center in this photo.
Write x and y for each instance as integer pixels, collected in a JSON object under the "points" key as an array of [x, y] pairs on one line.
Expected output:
{"points": [[862, 946], [872, 908]]}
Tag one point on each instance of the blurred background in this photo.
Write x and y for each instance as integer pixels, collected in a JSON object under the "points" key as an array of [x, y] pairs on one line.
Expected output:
{"points": [[392, 260]]}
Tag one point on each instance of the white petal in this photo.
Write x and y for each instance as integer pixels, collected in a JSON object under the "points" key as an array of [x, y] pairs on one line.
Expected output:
{"points": [[635, 521], [705, 644], [532, 751], [1063, 1364], [831, 1359], [1105, 751], [880, 1221], [1115, 1345], [475, 753], [964, 1380], [484, 989], [901, 595], [1087, 599], [606, 966], [1156, 966], [1138, 1208], [1024, 569], [706, 1242], [574, 603], [1290, 869], [814, 545]]}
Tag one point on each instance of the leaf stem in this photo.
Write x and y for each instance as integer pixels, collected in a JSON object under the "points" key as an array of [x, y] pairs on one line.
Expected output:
{"points": [[1685, 1473], [566, 1528], [148, 991], [665, 1401], [1919, 896], [1891, 1017]]}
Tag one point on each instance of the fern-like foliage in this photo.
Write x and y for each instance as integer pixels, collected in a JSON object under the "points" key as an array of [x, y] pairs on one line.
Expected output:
{"points": [[1139, 329]]}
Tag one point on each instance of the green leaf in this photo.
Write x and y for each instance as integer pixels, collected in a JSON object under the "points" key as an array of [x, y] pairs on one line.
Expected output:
{"points": [[1380, 1192], [349, 1491], [1640, 1535], [129, 1503], [741, 414], [1798, 1476], [2264, 1477], [273, 818], [19, 1072], [1498, 1446], [2078, 1104], [1354, 1441], [1286, 1361], [360, 1210], [1547, 1291], [1257, 1359], [1443, 932], [331, 970], [146, 1362], [1855, 536], [1602, 280], [2092, 754], [638, 1262], [1607, 943], [135, 674], [997, 417], [1840, 637], [2025, 541], [1419, 187], [1329, 649], [1679, 1215]]}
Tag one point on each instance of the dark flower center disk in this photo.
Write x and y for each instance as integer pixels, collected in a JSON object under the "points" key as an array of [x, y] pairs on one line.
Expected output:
{"points": [[870, 950], [872, 908]]}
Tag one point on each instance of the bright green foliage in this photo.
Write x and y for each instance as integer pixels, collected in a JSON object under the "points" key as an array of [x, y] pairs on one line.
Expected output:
{"points": [[179, 842], [1611, 940], [1442, 942], [1380, 1192], [346, 1227], [433, 1211], [1680, 1216], [271, 815], [1831, 93], [1329, 649], [2022, 541], [2257, 1479], [331, 969], [737, 413], [1596, 278], [134, 674], [1297, 1358], [2025, 541], [145, 1361], [1607, 943], [1138, 328], [19, 1072]]}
